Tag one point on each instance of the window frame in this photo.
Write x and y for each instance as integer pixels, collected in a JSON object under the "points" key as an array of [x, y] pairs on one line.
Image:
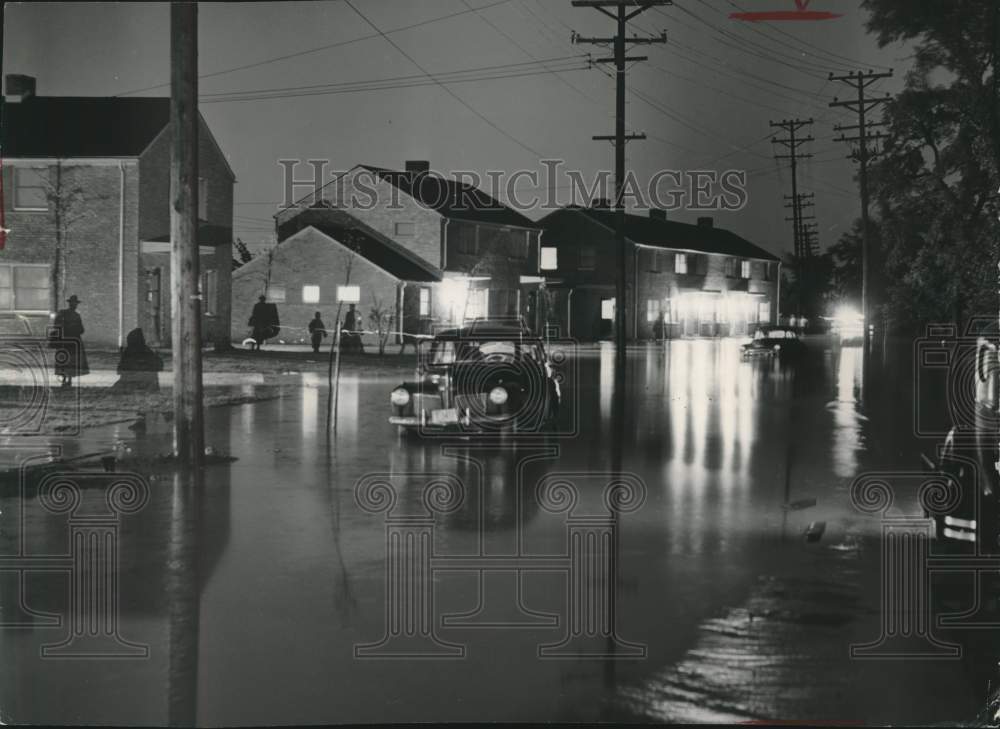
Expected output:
{"points": [[424, 302], [591, 250], [681, 264], [18, 186], [746, 269], [12, 267]]}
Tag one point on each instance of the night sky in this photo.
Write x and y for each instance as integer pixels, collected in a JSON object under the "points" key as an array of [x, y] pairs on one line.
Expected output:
{"points": [[704, 99]]}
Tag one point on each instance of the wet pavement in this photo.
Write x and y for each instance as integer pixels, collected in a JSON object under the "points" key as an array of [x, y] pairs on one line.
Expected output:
{"points": [[260, 591]]}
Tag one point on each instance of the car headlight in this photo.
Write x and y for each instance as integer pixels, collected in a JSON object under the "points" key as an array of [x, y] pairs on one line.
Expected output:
{"points": [[498, 396], [400, 396]]}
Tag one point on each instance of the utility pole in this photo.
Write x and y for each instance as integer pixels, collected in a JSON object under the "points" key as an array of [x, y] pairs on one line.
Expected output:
{"points": [[792, 143], [621, 11], [862, 154], [189, 433], [798, 204]]}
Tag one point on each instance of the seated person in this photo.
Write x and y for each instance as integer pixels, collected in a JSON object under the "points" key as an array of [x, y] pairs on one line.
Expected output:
{"points": [[138, 365]]}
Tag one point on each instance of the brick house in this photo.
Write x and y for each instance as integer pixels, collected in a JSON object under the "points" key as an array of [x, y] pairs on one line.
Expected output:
{"points": [[699, 280], [488, 254], [303, 274], [101, 166]]}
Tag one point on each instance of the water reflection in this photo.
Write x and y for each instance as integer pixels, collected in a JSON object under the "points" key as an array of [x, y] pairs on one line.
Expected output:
{"points": [[846, 419]]}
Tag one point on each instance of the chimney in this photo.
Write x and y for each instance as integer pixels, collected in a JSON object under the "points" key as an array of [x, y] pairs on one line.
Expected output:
{"points": [[706, 223], [18, 85], [658, 214], [417, 167]]}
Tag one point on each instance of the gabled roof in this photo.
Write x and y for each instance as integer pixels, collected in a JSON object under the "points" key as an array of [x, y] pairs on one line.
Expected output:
{"points": [[68, 127], [670, 234], [453, 199], [383, 252], [82, 126]]}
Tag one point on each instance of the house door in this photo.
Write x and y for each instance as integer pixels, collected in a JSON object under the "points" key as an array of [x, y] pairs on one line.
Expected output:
{"points": [[152, 325]]}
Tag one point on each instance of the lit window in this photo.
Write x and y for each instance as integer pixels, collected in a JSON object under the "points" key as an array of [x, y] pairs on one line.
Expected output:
{"points": [[764, 312], [588, 257], [24, 288], [652, 310], [550, 258], [209, 292], [202, 198], [31, 187], [477, 305], [345, 294], [406, 229], [745, 269], [275, 294], [425, 302], [310, 294], [608, 309], [680, 263]]}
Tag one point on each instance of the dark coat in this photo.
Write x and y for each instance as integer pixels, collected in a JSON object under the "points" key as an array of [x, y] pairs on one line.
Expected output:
{"points": [[138, 365], [264, 321], [71, 357]]}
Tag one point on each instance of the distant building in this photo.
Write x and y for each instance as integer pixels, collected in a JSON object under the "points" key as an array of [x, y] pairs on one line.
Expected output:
{"points": [[698, 280], [487, 253], [307, 270], [101, 166]]}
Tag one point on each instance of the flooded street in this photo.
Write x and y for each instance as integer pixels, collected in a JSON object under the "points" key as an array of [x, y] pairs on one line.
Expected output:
{"points": [[741, 574]]}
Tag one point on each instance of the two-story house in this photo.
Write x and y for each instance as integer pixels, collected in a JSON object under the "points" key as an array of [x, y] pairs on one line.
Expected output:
{"points": [[692, 280], [86, 197], [487, 253]]}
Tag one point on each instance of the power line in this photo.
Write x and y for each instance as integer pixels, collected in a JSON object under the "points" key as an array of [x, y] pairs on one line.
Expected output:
{"points": [[384, 84], [451, 93], [317, 49]]}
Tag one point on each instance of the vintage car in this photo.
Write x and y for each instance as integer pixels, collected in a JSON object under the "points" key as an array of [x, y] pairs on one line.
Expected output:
{"points": [[479, 378], [771, 341], [967, 462]]}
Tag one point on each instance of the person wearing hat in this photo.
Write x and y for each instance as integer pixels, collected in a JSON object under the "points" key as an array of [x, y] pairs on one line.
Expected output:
{"points": [[67, 330]]}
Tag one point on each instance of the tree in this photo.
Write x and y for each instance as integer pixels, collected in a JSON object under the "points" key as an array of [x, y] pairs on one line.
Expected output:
{"points": [[67, 201], [935, 187], [382, 319]]}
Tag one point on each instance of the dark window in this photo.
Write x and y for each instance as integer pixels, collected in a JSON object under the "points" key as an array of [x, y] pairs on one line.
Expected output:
{"points": [[701, 265], [588, 257], [730, 268], [465, 239]]}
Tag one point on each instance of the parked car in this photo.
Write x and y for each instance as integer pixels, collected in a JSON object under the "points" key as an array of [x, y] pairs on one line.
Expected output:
{"points": [[481, 378], [967, 462], [772, 341]]}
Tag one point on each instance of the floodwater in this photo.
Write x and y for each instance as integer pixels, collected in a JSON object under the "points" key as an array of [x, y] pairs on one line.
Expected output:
{"points": [[279, 589]]}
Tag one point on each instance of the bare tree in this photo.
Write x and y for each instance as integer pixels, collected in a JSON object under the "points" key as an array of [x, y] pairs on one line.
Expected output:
{"points": [[69, 205], [382, 319]]}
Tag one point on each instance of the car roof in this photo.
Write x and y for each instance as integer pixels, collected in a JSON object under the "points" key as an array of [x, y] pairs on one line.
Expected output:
{"points": [[487, 330]]}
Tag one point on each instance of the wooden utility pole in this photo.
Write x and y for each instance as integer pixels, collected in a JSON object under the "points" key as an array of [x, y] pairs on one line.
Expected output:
{"points": [[862, 154], [619, 11], [792, 143], [189, 432]]}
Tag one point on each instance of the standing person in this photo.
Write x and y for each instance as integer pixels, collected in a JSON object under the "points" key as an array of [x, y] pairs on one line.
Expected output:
{"points": [[71, 357], [350, 341], [317, 332], [263, 321]]}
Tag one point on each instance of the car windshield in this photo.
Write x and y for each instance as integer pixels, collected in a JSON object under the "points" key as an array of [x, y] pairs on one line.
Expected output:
{"points": [[446, 352]]}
